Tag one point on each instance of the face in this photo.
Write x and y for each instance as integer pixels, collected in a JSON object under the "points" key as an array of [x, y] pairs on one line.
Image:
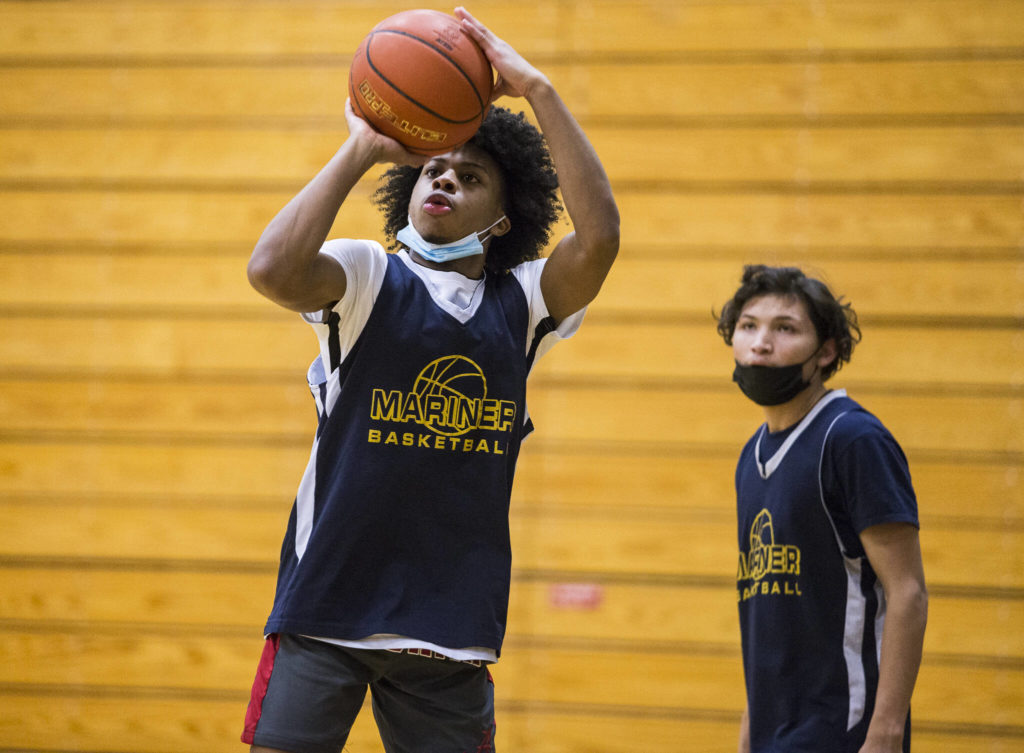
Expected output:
{"points": [[775, 330], [457, 193]]}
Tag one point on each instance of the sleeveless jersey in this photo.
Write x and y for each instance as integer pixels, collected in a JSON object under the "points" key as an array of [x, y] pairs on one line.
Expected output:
{"points": [[811, 608], [400, 526]]}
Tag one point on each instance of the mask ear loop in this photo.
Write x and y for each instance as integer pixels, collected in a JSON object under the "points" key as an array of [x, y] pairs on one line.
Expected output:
{"points": [[486, 232]]}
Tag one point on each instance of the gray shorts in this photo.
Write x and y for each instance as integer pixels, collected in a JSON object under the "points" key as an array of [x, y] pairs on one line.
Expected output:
{"points": [[307, 694]]}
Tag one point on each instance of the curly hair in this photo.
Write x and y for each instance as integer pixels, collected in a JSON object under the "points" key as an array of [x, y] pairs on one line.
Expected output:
{"points": [[832, 318], [529, 185]]}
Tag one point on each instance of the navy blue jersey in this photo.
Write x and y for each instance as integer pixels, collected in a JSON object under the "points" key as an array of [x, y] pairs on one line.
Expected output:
{"points": [[811, 608], [402, 524]]}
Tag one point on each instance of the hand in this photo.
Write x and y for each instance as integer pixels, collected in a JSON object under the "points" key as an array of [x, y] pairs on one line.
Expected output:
{"points": [[516, 77], [384, 148]]}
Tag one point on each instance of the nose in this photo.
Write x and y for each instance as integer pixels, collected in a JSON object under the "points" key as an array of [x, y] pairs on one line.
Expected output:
{"points": [[762, 342], [445, 181]]}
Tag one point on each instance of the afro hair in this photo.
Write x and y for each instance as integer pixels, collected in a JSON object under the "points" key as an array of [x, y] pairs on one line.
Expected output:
{"points": [[529, 186]]}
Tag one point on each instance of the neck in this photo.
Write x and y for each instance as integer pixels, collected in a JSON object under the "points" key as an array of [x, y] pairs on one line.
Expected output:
{"points": [[783, 416], [468, 266]]}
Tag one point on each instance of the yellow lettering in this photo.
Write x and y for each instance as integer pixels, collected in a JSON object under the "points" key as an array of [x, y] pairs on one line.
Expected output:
{"points": [[481, 446], [374, 436], [391, 438], [408, 439], [386, 406]]}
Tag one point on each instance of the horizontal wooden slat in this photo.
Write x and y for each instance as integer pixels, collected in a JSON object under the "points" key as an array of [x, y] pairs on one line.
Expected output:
{"points": [[177, 29], [616, 26], [761, 220], [127, 724], [566, 542], [693, 286], [746, 156], [195, 28], [638, 355], [563, 412], [979, 695], [567, 610], [254, 476], [657, 93]]}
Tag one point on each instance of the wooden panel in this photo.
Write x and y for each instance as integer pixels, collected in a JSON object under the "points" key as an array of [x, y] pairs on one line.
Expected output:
{"points": [[967, 287], [671, 285], [127, 723], [756, 93], [937, 222], [638, 356], [658, 545], [656, 416], [743, 155], [185, 29], [581, 414], [157, 471], [622, 483], [953, 694], [653, 350], [41, 29], [761, 220], [616, 26], [650, 616], [142, 725], [840, 91]]}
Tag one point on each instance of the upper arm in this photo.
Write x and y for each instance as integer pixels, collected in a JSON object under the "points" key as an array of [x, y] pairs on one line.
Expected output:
{"points": [[894, 551], [309, 287], [574, 274]]}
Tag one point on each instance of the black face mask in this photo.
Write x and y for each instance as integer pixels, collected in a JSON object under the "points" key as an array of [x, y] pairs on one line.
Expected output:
{"points": [[771, 385]]}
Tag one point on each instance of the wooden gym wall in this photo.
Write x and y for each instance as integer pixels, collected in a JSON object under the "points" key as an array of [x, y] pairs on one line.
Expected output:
{"points": [[154, 420]]}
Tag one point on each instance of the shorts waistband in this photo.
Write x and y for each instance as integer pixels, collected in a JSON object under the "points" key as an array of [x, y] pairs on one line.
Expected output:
{"points": [[431, 654]]}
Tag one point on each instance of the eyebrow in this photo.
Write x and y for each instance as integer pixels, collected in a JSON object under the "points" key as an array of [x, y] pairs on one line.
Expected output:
{"points": [[461, 163]]}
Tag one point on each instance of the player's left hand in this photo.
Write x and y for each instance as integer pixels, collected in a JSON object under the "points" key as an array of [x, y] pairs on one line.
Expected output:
{"points": [[516, 77]]}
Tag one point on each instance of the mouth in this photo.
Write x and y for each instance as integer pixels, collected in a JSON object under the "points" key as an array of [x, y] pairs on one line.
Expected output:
{"points": [[437, 203]]}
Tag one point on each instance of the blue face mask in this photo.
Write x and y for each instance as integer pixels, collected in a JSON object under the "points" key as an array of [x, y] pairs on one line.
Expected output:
{"points": [[471, 245]]}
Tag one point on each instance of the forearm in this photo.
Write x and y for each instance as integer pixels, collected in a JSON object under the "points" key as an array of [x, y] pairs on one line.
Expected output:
{"points": [[282, 263], [586, 190], [902, 644]]}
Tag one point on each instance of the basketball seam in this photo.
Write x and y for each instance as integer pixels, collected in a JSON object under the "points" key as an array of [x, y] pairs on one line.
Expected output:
{"points": [[369, 62]]}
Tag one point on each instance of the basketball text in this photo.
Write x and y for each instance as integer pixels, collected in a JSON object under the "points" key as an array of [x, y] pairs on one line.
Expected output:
{"points": [[773, 568], [384, 111]]}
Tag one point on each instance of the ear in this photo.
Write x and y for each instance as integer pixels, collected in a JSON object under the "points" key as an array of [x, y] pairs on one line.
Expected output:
{"points": [[828, 353], [503, 226]]}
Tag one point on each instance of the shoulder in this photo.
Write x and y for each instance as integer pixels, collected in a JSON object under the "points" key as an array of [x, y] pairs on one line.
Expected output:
{"points": [[528, 273], [354, 254], [853, 424]]}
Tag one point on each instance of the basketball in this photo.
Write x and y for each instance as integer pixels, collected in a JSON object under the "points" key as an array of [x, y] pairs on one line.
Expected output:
{"points": [[418, 78]]}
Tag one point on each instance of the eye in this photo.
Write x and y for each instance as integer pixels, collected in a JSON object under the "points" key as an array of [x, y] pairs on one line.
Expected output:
{"points": [[430, 171], [470, 178]]}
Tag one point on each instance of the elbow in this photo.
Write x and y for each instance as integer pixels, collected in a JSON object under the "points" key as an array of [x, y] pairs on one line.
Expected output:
{"points": [[260, 273]]}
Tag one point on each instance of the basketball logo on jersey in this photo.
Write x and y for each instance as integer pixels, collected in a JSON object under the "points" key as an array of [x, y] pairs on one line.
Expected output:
{"points": [[448, 398], [772, 567]]}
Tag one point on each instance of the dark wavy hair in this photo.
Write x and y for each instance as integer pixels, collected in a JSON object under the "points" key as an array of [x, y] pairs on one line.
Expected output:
{"points": [[832, 318], [529, 188]]}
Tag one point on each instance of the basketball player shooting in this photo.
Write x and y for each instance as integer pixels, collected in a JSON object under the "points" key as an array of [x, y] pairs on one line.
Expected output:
{"points": [[395, 567]]}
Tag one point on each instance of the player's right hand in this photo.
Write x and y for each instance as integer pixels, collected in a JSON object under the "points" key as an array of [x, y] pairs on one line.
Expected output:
{"points": [[384, 148]]}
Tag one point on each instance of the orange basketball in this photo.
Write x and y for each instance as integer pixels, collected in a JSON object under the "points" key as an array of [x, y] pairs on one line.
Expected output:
{"points": [[418, 78]]}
